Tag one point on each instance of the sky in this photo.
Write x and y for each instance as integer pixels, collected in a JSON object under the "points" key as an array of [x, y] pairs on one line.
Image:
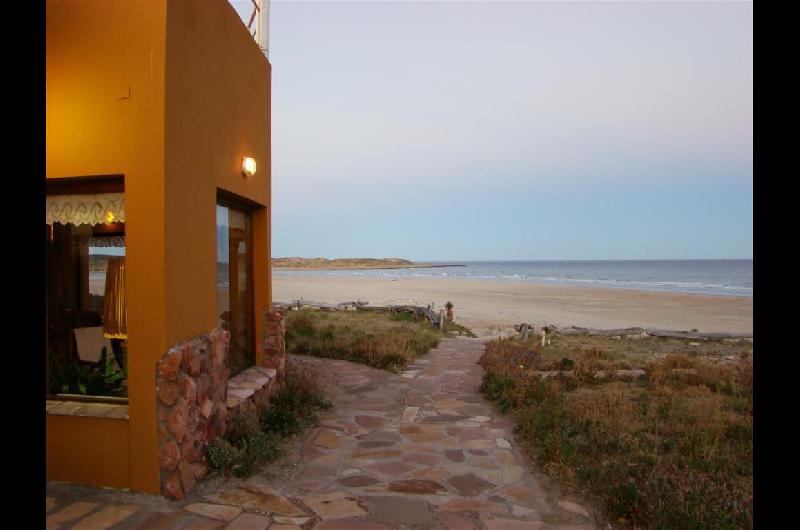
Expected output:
{"points": [[512, 130]]}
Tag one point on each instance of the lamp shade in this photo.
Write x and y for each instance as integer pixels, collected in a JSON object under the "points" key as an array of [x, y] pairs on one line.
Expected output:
{"points": [[115, 311]]}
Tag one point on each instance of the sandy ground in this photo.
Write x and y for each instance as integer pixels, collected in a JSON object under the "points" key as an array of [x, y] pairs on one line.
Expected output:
{"points": [[493, 307]]}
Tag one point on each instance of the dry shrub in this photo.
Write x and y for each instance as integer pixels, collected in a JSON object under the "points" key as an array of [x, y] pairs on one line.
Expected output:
{"points": [[302, 387], [613, 405], [672, 450], [593, 360], [300, 323], [677, 369]]}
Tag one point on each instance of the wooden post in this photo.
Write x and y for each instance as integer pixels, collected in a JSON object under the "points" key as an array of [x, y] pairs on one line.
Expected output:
{"points": [[545, 329]]}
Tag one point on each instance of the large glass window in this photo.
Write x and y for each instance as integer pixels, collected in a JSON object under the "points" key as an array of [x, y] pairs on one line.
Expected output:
{"points": [[234, 284], [86, 306]]}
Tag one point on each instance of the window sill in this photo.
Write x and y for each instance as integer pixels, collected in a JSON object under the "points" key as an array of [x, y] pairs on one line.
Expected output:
{"points": [[244, 384], [82, 409]]}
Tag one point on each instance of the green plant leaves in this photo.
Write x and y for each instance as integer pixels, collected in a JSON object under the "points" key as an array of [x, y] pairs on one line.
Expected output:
{"points": [[254, 437], [101, 379]]}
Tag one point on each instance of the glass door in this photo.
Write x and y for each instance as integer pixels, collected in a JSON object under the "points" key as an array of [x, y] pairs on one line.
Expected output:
{"points": [[234, 284]]}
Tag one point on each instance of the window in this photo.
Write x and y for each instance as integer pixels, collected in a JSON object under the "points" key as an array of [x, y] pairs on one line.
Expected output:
{"points": [[234, 284], [86, 303]]}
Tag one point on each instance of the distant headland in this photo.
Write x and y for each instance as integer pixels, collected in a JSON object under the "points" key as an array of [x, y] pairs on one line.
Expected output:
{"points": [[351, 263]]}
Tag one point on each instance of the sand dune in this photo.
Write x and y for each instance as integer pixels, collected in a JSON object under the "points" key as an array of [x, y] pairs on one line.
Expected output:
{"points": [[490, 307]]}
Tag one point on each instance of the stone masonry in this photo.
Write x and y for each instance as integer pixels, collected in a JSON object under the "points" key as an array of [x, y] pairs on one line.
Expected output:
{"points": [[274, 340], [195, 396], [191, 391]]}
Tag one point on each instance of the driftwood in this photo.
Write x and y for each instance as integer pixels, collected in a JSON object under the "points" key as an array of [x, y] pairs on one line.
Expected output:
{"points": [[524, 330], [602, 332], [419, 311], [661, 333], [633, 332], [695, 335]]}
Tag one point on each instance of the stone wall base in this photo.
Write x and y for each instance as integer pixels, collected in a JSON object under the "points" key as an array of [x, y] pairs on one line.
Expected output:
{"points": [[195, 397]]}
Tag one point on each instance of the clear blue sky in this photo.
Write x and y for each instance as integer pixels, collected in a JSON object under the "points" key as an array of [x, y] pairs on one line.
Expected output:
{"points": [[500, 130]]}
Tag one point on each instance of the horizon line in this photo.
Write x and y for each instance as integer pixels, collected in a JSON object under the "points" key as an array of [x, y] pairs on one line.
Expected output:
{"points": [[516, 259]]}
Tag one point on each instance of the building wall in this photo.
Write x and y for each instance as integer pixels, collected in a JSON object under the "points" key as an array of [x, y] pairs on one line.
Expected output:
{"points": [[171, 94], [88, 450], [217, 111], [105, 115]]}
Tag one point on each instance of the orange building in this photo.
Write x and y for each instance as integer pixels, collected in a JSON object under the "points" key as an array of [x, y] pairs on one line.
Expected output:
{"points": [[158, 237]]}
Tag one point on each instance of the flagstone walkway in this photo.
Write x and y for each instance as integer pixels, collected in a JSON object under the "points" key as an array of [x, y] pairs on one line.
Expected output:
{"points": [[419, 450]]}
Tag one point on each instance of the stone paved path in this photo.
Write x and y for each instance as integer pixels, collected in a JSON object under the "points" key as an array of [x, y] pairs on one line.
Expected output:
{"points": [[419, 450]]}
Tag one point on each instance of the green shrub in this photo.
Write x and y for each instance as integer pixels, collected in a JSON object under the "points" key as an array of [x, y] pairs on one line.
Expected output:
{"points": [[254, 437], [403, 317], [623, 500], [242, 425], [451, 328], [566, 364], [223, 455], [281, 421], [259, 448]]}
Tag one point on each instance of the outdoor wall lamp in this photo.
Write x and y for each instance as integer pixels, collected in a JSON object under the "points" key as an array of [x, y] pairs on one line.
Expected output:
{"points": [[248, 166]]}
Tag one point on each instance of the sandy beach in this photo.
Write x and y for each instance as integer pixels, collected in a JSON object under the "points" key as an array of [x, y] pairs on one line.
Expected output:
{"points": [[493, 307]]}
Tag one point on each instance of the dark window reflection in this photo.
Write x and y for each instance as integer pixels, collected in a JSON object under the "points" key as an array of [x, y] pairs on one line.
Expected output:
{"points": [[234, 304]]}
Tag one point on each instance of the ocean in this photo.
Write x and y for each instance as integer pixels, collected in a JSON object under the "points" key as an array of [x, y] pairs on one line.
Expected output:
{"points": [[715, 277]]}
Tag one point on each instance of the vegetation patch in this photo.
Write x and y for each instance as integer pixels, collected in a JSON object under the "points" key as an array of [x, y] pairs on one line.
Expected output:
{"points": [[383, 340], [453, 329], [255, 436], [672, 448], [103, 378]]}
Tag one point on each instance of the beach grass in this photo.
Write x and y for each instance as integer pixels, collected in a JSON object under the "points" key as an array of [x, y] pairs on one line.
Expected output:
{"points": [[378, 339], [669, 448]]}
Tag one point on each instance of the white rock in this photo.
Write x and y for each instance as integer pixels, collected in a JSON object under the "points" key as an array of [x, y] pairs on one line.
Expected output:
{"points": [[409, 414], [299, 521], [573, 507], [502, 443], [522, 511]]}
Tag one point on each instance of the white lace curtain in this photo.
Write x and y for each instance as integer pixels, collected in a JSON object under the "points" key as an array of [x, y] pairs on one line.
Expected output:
{"points": [[89, 209]]}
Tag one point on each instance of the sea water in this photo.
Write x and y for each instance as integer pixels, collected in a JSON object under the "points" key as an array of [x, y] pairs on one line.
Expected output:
{"points": [[716, 277]]}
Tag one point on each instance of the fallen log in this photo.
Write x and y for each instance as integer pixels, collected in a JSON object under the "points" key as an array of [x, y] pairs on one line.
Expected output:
{"points": [[666, 333], [660, 333], [574, 330]]}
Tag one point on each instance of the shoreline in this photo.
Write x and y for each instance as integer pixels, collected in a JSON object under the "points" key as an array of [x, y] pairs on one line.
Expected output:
{"points": [[493, 307], [580, 284], [365, 268]]}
